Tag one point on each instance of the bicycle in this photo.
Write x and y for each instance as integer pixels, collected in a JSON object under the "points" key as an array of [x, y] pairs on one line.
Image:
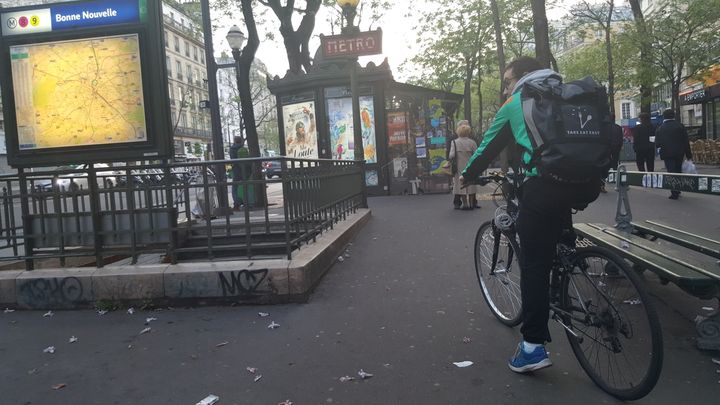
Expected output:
{"points": [[608, 316]]}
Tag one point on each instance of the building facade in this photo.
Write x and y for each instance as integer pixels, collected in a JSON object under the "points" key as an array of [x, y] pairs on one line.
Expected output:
{"points": [[263, 102], [187, 82]]}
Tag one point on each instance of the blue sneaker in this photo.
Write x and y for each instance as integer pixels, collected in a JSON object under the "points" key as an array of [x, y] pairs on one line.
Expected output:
{"points": [[523, 362]]}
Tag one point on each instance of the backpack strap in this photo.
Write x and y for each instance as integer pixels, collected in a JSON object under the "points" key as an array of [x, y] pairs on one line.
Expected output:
{"points": [[528, 105]]}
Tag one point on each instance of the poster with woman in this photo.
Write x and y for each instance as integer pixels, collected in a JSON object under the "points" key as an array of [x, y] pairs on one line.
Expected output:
{"points": [[300, 130], [340, 121]]}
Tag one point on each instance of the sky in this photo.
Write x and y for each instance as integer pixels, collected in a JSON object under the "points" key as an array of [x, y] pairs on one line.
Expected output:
{"points": [[400, 43]]}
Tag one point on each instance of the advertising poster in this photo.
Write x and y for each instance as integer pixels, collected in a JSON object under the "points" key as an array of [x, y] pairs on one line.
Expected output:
{"points": [[437, 158], [371, 178], [420, 142], [300, 130], [61, 101], [421, 152], [400, 166], [341, 128], [397, 135], [367, 120]]}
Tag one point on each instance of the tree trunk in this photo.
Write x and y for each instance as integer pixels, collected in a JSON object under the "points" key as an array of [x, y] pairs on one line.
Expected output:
{"points": [[480, 105], [499, 44], [645, 79], [608, 50], [467, 100], [505, 153], [245, 61], [540, 29]]}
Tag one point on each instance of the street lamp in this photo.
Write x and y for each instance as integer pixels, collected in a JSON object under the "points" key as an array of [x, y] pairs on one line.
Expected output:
{"points": [[349, 8], [235, 39]]}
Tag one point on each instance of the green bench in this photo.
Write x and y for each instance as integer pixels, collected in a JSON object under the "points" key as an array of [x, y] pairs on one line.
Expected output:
{"points": [[676, 256]]}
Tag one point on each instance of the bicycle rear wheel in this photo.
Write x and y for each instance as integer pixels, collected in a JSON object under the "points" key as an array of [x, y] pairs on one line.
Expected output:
{"points": [[605, 304], [497, 266]]}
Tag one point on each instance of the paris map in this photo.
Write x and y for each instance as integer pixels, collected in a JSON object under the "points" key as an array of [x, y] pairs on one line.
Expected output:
{"points": [[79, 92]]}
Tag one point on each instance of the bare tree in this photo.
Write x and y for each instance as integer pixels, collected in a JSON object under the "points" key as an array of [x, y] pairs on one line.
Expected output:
{"points": [[296, 40], [645, 57], [600, 15]]}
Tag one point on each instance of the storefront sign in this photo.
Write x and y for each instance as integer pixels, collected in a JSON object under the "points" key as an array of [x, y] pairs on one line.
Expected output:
{"points": [[694, 97], [361, 43]]}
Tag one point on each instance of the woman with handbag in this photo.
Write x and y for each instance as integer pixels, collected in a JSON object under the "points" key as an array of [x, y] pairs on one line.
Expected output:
{"points": [[461, 149]]}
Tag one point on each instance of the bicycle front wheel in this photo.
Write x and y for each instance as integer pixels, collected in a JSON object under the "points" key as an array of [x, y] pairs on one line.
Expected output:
{"points": [[497, 266], [614, 329]]}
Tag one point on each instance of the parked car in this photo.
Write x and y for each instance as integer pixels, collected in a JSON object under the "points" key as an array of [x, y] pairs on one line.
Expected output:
{"points": [[272, 168], [79, 178]]}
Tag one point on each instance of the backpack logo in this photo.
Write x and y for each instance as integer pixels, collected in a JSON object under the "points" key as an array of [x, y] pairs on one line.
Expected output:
{"points": [[583, 123]]}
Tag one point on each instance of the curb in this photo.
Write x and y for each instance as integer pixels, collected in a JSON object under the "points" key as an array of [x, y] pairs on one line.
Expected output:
{"points": [[238, 282]]}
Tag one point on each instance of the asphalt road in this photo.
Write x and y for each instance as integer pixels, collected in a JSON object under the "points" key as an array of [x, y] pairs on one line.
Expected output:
{"points": [[399, 307]]}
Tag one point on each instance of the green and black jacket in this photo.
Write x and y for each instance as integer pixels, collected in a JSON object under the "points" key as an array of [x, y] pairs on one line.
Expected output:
{"points": [[508, 126]]}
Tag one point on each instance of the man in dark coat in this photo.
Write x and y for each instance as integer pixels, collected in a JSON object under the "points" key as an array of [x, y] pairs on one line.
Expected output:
{"points": [[672, 139], [616, 144], [644, 144], [240, 171]]}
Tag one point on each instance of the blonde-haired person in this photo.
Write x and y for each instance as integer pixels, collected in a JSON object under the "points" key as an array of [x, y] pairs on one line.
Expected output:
{"points": [[462, 149]]}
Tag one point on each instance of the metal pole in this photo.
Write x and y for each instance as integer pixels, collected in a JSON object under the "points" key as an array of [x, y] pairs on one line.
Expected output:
{"points": [[217, 136]]}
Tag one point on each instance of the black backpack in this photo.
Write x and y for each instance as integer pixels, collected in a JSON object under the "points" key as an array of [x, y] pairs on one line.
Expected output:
{"points": [[569, 127]]}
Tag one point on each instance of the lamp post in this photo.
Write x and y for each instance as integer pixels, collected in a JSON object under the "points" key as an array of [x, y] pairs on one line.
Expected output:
{"points": [[349, 8], [236, 39], [217, 137]]}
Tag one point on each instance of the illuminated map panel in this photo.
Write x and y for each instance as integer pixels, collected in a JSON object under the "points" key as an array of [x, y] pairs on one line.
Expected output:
{"points": [[79, 92]]}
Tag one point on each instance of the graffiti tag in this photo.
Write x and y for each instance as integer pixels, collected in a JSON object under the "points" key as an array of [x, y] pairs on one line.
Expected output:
{"points": [[244, 282]]}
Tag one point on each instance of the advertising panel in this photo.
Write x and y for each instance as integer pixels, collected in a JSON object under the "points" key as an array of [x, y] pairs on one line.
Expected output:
{"points": [[300, 130], [396, 127], [80, 92], [340, 121], [85, 82], [367, 120]]}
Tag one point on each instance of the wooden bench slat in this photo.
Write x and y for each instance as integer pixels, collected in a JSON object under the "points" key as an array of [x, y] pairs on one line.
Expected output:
{"points": [[689, 240], [678, 273], [709, 268]]}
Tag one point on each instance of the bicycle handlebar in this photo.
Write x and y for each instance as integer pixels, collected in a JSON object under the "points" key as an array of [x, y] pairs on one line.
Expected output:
{"points": [[497, 177]]}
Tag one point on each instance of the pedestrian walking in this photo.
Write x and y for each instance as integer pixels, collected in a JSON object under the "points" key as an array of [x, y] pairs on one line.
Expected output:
{"points": [[672, 140], [644, 144], [240, 171], [616, 144], [460, 150]]}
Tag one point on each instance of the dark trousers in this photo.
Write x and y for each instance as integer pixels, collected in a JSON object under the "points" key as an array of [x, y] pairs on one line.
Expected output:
{"points": [[645, 158], [545, 211], [674, 165]]}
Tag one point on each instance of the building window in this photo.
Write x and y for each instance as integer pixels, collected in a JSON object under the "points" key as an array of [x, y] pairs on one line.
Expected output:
{"points": [[167, 42], [202, 57], [195, 53], [625, 111], [177, 43], [169, 66], [187, 48], [189, 74], [178, 65]]}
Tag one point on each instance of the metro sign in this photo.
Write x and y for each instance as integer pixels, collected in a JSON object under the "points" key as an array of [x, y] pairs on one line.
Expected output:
{"points": [[358, 44]]}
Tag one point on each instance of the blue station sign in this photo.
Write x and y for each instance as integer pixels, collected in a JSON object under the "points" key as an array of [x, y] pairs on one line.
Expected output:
{"points": [[73, 16]]}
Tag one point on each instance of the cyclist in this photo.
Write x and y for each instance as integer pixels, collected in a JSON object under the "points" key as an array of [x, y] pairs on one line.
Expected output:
{"points": [[545, 211]]}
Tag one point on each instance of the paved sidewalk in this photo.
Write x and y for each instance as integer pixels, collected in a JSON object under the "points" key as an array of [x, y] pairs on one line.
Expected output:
{"points": [[398, 307]]}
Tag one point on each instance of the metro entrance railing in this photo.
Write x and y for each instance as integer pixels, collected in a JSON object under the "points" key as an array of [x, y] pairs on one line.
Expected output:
{"points": [[94, 215]]}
